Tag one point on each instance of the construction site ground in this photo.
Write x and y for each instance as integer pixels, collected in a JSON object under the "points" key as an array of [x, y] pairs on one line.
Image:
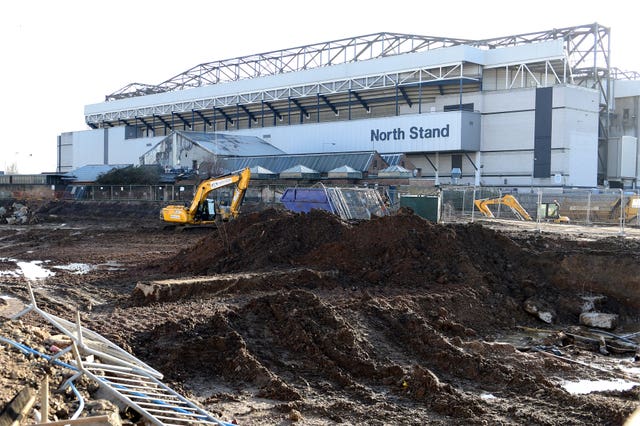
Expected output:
{"points": [[281, 318]]}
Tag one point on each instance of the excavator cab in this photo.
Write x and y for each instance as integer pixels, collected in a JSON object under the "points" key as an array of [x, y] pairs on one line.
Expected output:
{"points": [[551, 212]]}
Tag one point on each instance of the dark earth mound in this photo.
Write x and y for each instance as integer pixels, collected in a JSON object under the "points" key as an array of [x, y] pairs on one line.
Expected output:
{"points": [[389, 321]]}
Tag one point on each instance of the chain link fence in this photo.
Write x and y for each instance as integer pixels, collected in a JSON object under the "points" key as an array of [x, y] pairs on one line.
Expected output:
{"points": [[606, 207], [611, 207], [267, 193]]}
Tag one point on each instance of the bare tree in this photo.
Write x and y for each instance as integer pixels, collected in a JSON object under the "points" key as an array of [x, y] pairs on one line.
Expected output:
{"points": [[12, 168], [211, 166]]}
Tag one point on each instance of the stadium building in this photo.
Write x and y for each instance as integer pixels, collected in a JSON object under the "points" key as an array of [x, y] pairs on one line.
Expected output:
{"points": [[543, 109]]}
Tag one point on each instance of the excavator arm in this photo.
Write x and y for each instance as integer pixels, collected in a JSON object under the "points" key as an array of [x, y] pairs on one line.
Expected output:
{"points": [[508, 200], [238, 194]]}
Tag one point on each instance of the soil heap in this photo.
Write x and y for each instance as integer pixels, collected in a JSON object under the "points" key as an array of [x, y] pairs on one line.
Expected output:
{"points": [[406, 320]]}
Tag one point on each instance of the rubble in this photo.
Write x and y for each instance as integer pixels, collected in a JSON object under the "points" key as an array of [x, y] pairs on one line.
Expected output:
{"points": [[536, 308], [599, 320], [18, 216]]}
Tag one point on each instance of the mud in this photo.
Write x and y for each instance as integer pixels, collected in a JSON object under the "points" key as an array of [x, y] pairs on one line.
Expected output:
{"points": [[291, 318]]}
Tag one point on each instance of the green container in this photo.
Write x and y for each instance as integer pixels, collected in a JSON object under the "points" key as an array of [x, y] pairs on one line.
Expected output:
{"points": [[427, 207]]}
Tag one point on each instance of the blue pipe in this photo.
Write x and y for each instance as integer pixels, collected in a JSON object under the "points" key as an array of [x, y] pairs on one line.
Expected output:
{"points": [[27, 350]]}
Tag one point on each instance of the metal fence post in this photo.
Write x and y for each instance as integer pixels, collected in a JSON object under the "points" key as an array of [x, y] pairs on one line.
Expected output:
{"points": [[464, 194], [637, 215], [589, 208], [538, 210], [473, 204], [621, 233]]}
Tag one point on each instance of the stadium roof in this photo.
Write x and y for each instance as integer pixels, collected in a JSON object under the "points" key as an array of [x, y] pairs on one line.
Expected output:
{"points": [[585, 44], [230, 145], [323, 163]]}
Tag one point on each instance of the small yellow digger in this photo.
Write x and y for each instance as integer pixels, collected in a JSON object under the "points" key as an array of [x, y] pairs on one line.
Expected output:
{"points": [[204, 211], [546, 211]]}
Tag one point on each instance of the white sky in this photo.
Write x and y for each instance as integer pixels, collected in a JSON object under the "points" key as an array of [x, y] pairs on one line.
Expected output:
{"points": [[58, 56]]}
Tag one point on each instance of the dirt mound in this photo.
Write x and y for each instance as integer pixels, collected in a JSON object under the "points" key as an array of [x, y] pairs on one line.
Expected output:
{"points": [[409, 310], [382, 249], [405, 251], [258, 241]]}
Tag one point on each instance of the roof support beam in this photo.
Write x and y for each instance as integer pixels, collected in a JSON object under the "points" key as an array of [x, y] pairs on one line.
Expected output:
{"points": [[163, 121], [471, 161], [329, 104], [302, 109], [405, 96], [185, 122], [252, 117], [123, 122], [275, 112], [225, 115], [148, 126], [364, 104], [203, 118]]}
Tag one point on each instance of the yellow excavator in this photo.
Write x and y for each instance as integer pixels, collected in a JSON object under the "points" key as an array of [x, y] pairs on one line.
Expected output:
{"points": [[203, 210], [546, 211], [631, 208]]}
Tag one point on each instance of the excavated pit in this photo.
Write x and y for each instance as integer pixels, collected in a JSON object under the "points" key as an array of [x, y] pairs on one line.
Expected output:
{"points": [[279, 317]]}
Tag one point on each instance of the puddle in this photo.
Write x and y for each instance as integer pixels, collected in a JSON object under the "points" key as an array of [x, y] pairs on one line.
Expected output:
{"points": [[33, 271], [587, 386], [77, 268], [112, 266]]}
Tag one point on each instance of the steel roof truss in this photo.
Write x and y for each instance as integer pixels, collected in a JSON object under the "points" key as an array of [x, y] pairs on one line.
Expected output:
{"points": [[202, 117], [302, 109], [362, 101], [329, 104], [251, 116]]}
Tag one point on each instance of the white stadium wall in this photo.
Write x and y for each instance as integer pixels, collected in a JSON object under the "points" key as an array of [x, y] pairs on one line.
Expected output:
{"points": [[101, 146], [498, 138], [441, 131]]}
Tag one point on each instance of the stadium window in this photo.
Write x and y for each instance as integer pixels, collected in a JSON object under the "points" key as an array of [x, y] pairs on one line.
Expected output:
{"points": [[456, 161]]}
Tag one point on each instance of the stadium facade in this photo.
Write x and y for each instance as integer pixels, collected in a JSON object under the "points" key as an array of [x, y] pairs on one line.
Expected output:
{"points": [[539, 109]]}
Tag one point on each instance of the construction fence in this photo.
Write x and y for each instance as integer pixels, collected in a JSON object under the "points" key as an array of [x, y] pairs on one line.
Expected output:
{"points": [[608, 207], [170, 193]]}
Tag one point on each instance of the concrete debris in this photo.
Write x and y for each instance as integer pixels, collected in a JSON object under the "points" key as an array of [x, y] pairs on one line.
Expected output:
{"points": [[537, 309], [105, 407], [592, 302], [599, 320], [19, 215]]}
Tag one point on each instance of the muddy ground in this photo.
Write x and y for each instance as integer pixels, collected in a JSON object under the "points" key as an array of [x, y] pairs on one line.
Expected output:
{"points": [[317, 321]]}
